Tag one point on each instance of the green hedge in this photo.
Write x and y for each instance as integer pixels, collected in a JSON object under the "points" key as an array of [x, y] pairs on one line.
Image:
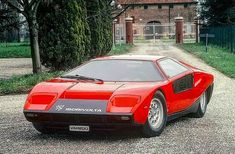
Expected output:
{"points": [[100, 22], [73, 31], [64, 34]]}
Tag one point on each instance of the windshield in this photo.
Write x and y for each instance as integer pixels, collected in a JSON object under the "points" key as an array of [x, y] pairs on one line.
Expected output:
{"points": [[118, 70]]}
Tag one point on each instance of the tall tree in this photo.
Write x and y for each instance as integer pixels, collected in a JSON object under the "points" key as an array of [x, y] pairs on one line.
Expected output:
{"points": [[100, 23], [9, 21], [29, 9], [100, 15], [217, 12], [6, 18], [64, 34], [106, 31]]}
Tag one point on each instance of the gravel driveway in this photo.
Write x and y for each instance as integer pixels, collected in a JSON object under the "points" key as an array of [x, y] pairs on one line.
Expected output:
{"points": [[215, 133]]}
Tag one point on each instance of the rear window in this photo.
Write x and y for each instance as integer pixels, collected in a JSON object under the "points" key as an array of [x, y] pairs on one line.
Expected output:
{"points": [[119, 70], [171, 67]]}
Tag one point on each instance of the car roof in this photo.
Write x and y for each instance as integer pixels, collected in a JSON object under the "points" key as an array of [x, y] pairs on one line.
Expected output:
{"points": [[132, 57]]}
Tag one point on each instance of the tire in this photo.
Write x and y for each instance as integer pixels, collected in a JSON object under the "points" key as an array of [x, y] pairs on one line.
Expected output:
{"points": [[42, 128], [157, 116], [202, 106]]}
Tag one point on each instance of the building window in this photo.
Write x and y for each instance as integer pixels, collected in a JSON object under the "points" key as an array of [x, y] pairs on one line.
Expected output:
{"points": [[171, 6], [185, 5], [146, 7], [132, 7], [159, 6]]}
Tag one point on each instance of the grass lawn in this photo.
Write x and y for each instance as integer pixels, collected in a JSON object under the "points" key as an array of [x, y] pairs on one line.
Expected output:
{"points": [[23, 83], [14, 50], [22, 50], [217, 57], [120, 49]]}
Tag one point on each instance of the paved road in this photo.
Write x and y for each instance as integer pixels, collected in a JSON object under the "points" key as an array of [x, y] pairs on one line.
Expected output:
{"points": [[215, 133]]}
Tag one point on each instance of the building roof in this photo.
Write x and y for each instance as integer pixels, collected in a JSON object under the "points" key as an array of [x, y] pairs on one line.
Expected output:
{"points": [[155, 1]]}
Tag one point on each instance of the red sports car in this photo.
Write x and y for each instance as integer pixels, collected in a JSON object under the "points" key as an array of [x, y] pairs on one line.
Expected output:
{"points": [[120, 91]]}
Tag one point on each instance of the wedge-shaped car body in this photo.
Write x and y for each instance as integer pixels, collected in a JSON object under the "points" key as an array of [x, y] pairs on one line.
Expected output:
{"points": [[120, 91]]}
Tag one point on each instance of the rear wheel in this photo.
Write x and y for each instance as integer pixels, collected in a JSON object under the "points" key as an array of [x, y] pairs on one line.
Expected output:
{"points": [[202, 106], [42, 128], [157, 116]]}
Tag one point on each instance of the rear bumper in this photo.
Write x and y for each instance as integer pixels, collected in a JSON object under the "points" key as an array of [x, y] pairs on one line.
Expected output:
{"points": [[64, 119]]}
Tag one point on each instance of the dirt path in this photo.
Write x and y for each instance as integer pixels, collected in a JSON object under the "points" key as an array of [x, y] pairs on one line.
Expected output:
{"points": [[15, 66]]}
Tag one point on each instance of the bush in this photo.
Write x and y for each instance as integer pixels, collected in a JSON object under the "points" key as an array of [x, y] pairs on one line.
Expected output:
{"points": [[100, 22], [71, 32], [64, 34]]}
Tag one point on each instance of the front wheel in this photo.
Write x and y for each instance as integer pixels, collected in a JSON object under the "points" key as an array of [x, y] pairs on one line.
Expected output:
{"points": [[157, 116]]}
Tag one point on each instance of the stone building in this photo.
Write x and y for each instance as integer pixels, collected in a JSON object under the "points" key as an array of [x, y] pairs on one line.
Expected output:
{"points": [[158, 11]]}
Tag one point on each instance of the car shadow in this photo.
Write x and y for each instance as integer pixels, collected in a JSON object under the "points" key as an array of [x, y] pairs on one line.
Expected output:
{"points": [[121, 134], [185, 118], [95, 135]]}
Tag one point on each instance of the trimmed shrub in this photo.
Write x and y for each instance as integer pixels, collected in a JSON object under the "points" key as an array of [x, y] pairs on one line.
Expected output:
{"points": [[100, 22], [64, 34], [72, 31]]}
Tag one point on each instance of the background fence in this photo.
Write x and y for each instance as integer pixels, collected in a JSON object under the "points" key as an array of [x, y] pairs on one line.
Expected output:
{"points": [[224, 36], [151, 33]]}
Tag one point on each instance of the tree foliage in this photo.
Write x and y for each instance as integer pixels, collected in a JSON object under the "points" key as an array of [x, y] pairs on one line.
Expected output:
{"points": [[106, 31], [64, 34], [218, 12], [100, 22], [9, 23], [73, 31], [28, 8], [8, 19]]}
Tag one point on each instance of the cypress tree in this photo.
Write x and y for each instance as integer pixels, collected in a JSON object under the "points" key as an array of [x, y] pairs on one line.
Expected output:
{"points": [[73, 31], [64, 34], [100, 22], [106, 28], [94, 21]]}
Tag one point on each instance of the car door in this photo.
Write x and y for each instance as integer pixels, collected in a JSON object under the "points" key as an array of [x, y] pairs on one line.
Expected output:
{"points": [[180, 84], [182, 90]]}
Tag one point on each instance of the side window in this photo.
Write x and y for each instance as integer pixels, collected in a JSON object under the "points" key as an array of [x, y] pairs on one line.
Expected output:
{"points": [[183, 84], [171, 67]]}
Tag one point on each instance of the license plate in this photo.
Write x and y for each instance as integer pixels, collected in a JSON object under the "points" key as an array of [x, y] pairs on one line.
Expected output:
{"points": [[76, 128]]}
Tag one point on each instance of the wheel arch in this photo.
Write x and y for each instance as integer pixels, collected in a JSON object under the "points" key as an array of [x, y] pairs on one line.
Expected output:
{"points": [[165, 96], [209, 92], [160, 89]]}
